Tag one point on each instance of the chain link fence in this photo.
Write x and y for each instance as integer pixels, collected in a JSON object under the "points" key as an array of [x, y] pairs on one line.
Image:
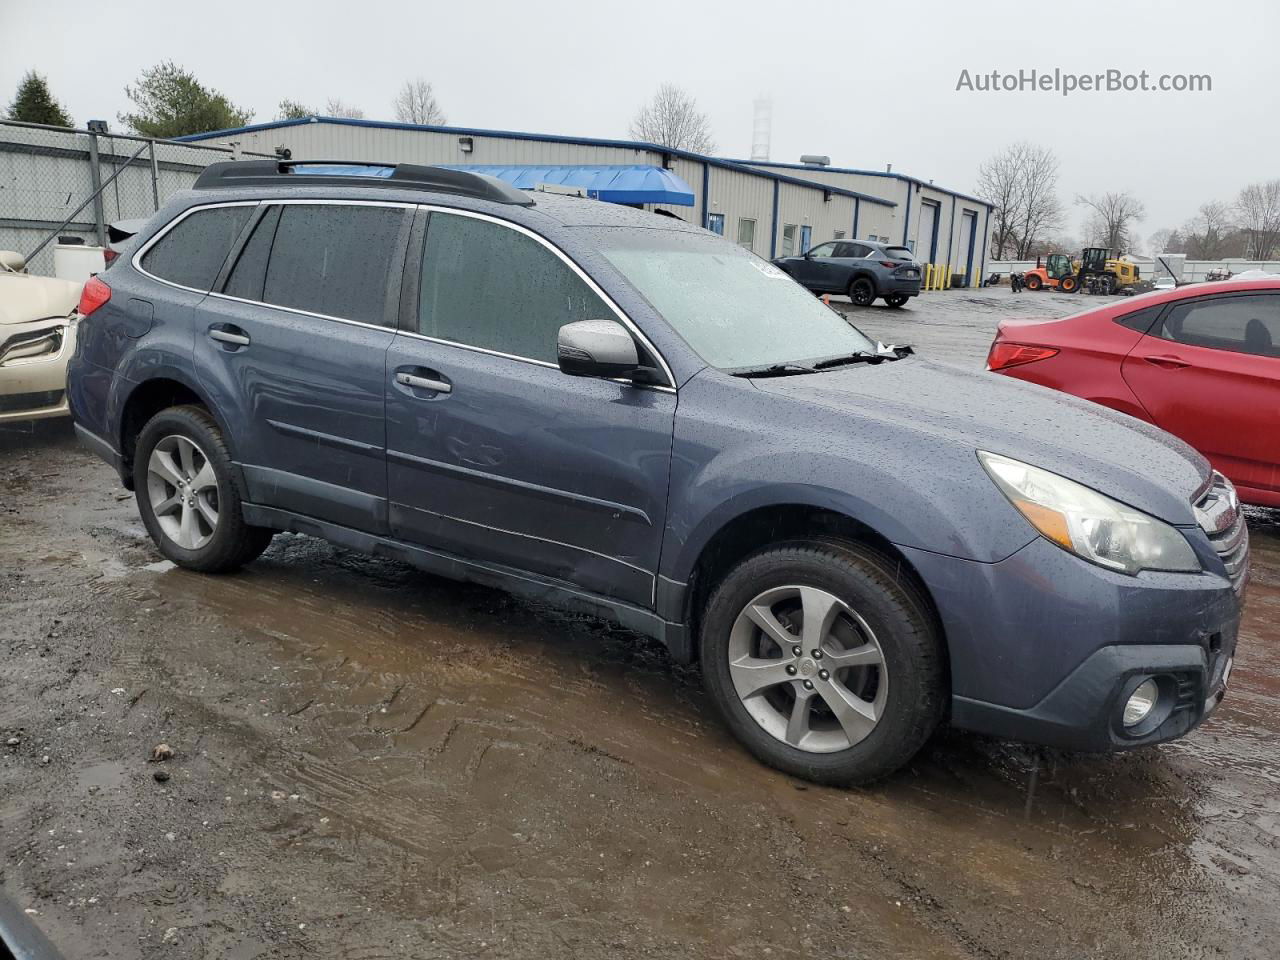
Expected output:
{"points": [[56, 181]]}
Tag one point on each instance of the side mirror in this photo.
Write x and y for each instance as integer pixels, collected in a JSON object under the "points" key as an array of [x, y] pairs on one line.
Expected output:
{"points": [[596, 348]]}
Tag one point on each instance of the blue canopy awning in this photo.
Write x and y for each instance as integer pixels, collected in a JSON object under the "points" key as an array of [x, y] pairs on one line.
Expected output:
{"points": [[613, 184]]}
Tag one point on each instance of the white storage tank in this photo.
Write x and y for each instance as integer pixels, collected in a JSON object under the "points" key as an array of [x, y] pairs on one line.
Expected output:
{"points": [[77, 261]]}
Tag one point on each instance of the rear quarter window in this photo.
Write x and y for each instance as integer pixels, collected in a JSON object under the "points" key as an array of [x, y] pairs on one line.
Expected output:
{"points": [[1140, 320], [192, 252]]}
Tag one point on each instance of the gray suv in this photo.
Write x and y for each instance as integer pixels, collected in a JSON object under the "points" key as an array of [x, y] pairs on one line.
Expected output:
{"points": [[861, 269], [626, 415]]}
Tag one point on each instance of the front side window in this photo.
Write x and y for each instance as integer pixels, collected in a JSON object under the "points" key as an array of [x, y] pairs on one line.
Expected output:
{"points": [[335, 259], [489, 286], [1243, 324], [734, 309], [747, 233], [192, 253], [822, 251]]}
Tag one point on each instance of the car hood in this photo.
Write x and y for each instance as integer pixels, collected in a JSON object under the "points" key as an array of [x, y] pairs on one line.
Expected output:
{"points": [[1111, 452], [25, 297]]}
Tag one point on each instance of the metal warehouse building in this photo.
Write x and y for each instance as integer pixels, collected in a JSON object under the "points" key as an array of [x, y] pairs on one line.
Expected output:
{"points": [[773, 209]]}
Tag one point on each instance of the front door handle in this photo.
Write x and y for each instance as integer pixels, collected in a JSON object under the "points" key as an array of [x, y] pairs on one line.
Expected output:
{"points": [[227, 336], [1167, 362], [423, 383]]}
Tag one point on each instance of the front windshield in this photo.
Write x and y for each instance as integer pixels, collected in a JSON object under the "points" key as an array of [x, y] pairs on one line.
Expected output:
{"points": [[734, 309]]}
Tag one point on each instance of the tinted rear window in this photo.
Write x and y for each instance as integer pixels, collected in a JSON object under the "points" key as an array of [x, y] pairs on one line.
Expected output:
{"points": [[192, 252], [335, 259], [250, 272], [899, 253]]}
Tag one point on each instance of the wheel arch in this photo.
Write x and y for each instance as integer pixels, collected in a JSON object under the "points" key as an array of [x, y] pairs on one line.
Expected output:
{"points": [[754, 529], [169, 388]]}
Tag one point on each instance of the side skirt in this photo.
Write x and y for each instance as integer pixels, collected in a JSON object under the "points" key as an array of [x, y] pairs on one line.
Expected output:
{"points": [[673, 636]]}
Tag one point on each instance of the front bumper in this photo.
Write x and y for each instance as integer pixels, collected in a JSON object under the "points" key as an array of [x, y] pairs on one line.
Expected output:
{"points": [[34, 386], [1045, 647]]}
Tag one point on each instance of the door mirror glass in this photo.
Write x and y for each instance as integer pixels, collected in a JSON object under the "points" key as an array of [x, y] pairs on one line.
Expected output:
{"points": [[596, 348]]}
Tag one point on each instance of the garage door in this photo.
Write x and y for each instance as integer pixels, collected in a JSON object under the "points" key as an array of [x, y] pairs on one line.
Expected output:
{"points": [[927, 238]]}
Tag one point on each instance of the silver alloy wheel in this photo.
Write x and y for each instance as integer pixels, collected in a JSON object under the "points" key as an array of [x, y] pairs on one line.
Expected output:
{"points": [[808, 669], [183, 491]]}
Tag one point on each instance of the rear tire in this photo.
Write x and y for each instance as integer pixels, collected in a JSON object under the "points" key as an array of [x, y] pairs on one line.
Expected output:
{"points": [[862, 292], [1068, 284], [1033, 282], [188, 494], [881, 661]]}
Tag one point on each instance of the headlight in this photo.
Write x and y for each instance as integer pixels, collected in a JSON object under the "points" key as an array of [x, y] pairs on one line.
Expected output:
{"points": [[1094, 527]]}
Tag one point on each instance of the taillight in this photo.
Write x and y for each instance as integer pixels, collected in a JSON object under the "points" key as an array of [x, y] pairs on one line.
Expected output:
{"points": [[94, 295], [108, 255], [890, 264], [1004, 354]]}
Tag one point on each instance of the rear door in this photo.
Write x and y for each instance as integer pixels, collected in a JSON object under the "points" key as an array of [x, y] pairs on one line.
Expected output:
{"points": [[495, 455], [1209, 372], [293, 347]]}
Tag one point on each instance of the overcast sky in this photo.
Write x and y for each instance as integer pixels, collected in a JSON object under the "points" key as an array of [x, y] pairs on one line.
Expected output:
{"points": [[866, 83]]}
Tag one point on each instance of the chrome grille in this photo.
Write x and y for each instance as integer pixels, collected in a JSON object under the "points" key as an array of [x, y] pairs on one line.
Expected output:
{"points": [[1220, 517]]}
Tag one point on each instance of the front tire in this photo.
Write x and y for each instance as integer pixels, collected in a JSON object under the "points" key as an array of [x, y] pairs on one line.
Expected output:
{"points": [[862, 292], [824, 661], [896, 299], [188, 495]]}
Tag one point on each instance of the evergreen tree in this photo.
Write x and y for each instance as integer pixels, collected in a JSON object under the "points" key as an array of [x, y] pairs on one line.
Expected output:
{"points": [[35, 104], [171, 102]]}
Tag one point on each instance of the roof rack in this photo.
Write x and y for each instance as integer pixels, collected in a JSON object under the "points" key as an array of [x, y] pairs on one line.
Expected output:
{"points": [[342, 173]]}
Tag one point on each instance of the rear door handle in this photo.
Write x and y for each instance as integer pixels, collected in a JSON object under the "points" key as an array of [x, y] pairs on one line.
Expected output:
{"points": [[226, 336], [1169, 363], [423, 383]]}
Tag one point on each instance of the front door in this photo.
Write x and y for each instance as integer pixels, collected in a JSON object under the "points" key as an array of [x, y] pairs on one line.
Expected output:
{"points": [[1209, 373], [806, 238], [494, 454], [293, 350]]}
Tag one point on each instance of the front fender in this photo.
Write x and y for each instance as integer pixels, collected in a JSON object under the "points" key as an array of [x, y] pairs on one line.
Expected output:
{"points": [[745, 478]]}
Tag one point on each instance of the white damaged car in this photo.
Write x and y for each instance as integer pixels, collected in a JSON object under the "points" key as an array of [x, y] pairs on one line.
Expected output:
{"points": [[36, 340]]}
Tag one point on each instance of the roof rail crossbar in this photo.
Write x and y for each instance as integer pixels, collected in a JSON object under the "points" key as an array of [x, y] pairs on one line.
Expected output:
{"points": [[347, 173]]}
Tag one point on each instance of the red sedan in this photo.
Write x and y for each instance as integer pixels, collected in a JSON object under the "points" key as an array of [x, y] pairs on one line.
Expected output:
{"points": [[1201, 361]]}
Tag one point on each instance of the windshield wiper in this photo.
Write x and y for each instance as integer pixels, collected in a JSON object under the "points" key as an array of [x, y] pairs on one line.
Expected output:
{"points": [[891, 352], [861, 356], [775, 370]]}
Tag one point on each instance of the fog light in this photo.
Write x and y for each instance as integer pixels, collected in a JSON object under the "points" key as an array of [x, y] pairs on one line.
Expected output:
{"points": [[1141, 702]]}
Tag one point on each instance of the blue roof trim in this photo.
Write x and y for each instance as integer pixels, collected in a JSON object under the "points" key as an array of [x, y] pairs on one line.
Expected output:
{"points": [[541, 138], [611, 183], [865, 173]]}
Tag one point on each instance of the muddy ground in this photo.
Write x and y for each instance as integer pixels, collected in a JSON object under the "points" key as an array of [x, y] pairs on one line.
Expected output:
{"points": [[371, 762]]}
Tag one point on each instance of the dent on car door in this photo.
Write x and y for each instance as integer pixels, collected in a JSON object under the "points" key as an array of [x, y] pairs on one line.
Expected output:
{"points": [[493, 453], [294, 348], [1209, 372]]}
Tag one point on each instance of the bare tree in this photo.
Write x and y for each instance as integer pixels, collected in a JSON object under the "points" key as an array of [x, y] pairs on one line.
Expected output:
{"points": [[334, 107], [1160, 240], [1112, 220], [1208, 232], [672, 119], [1258, 210], [416, 103], [1020, 182]]}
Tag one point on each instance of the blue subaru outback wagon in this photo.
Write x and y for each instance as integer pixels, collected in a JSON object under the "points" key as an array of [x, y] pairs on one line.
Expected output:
{"points": [[626, 415]]}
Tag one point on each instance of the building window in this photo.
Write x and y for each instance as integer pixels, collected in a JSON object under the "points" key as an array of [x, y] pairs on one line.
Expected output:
{"points": [[788, 239], [746, 233], [715, 223]]}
